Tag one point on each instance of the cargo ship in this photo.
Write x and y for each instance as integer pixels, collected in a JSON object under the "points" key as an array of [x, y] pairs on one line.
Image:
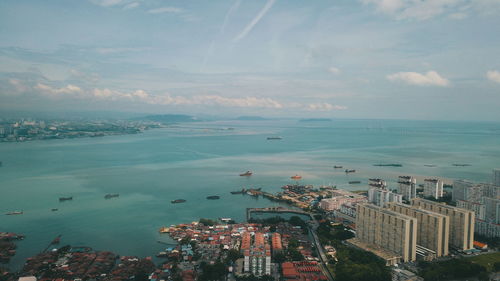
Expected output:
{"points": [[246, 174], [274, 138], [213, 197], [61, 199], [111, 195], [296, 177], [178, 201], [14, 213]]}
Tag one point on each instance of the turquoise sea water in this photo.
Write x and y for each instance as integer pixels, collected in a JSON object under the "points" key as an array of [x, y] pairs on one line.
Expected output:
{"points": [[195, 160]]}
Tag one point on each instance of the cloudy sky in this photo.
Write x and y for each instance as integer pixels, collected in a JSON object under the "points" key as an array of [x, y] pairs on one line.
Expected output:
{"points": [[408, 59]]}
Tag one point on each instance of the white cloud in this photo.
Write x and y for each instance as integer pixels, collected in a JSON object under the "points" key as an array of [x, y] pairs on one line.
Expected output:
{"points": [[431, 78], [493, 75], [414, 9], [162, 10], [106, 3], [255, 20], [324, 107], [334, 70], [130, 6], [69, 89]]}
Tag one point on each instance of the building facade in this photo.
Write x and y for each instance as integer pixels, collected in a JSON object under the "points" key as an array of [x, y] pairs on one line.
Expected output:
{"points": [[407, 186], [461, 222], [381, 197], [433, 188], [389, 230], [433, 230]]}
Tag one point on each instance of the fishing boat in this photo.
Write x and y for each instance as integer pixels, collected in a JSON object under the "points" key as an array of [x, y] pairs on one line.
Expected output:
{"points": [[296, 177]]}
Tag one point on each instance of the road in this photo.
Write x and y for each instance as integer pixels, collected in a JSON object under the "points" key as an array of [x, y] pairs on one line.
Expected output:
{"points": [[322, 256]]}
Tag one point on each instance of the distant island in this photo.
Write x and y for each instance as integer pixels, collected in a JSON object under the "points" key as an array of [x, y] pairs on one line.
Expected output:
{"points": [[315, 120], [170, 118], [251, 118]]}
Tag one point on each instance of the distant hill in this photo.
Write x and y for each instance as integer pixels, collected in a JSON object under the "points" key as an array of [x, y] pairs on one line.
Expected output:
{"points": [[170, 118], [251, 118], [316, 120]]}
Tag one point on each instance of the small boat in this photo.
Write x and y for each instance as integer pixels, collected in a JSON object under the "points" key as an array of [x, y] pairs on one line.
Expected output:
{"points": [[246, 174], [354, 182], [296, 177], [338, 167], [429, 165], [274, 138], [61, 199], [347, 171], [56, 240], [461, 165], [14, 213], [178, 201], [54, 209], [111, 195], [213, 197], [225, 219], [239, 191]]}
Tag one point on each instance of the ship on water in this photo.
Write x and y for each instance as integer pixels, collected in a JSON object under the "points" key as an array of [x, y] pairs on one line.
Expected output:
{"points": [[347, 171], [296, 177], [15, 213], [213, 197], [111, 195], [61, 199], [239, 191], [274, 138], [246, 174], [178, 201], [338, 167]]}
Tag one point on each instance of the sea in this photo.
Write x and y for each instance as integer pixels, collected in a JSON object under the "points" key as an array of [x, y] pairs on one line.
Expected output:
{"points": [[194, 160]]}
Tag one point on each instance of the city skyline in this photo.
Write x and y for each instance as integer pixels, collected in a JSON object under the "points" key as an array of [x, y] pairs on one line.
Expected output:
{"points": [[349, 59]]}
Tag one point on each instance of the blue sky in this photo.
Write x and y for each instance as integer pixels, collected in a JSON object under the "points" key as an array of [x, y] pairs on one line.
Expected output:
{"points": [[408, 59]]}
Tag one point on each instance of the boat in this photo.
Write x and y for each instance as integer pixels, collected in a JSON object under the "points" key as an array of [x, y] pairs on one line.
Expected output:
{"points": [[388, 165], [246, 174], [274, 138], [354, 182], [111, 195], [239, 191], [347, 171], [429, 165], [213, 197], [296, 177], [338, 167], [14, 213], [61, 199], [461, 165], [54, 209], [225, 219], [178, 201]]}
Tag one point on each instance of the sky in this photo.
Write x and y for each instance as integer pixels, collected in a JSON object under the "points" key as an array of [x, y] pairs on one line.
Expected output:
{"points": [[394, 59]]}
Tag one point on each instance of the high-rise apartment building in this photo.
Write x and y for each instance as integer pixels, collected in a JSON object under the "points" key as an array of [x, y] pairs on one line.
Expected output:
{"points": [[467, 191], [496, 177], [387, 229], [433, 229], [407, 186], [433, 188], [381, 197], [461, 222]]}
